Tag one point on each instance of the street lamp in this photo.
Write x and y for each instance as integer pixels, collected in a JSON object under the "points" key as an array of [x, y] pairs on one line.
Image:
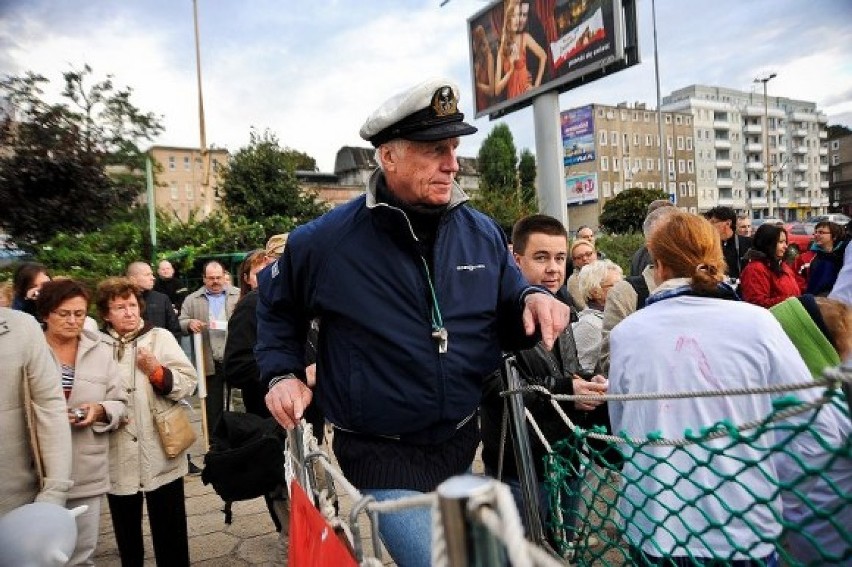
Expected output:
{"points": [[765, 80]]}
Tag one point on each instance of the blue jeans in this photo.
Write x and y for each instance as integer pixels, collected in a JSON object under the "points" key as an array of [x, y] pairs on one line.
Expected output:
{"points": [[407, 534]]}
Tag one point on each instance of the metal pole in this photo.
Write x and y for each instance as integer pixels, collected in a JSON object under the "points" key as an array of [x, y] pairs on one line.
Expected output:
{"points": [[523, 454], [205, 155], [550, 178], [765, 80], [663, 162], [468, 543], [152, 206]]}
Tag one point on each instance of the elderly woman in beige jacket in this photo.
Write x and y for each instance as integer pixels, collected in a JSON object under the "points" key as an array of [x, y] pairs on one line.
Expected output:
{"points": [[95, 398], [157, 374], [26, 362]]}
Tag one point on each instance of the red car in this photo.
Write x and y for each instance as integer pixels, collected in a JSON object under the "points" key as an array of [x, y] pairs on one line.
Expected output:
{"points": [[800, 235]]}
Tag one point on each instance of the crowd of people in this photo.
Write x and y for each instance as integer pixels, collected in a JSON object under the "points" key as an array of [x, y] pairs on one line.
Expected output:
{"points": [[387, 318]]}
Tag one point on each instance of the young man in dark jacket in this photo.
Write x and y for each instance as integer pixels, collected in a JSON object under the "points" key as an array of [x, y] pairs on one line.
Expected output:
{"points": [[541, 251], [416, 294]]}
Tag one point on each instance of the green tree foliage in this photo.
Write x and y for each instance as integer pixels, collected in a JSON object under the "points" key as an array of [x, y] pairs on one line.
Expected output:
{"points": [[259, 182], [526, 176], [838, 130], [626, 211], [500, 195], [68, 166]]}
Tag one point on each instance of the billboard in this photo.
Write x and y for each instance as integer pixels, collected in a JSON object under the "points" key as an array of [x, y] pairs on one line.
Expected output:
{"points": [[578, 135], [521, 48], [581, 189]]}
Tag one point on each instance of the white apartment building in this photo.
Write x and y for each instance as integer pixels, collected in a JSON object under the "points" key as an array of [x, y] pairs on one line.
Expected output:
{"points": [[731, 131]]}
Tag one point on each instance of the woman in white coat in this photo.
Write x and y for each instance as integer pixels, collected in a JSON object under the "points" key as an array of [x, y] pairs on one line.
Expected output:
{"points": [[156, 373], [96, 402]]}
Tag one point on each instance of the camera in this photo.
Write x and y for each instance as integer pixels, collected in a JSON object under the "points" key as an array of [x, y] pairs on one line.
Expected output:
{"points": [[79, 414]]}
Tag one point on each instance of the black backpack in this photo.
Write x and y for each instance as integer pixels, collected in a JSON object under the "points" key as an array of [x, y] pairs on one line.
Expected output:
{"points": [[246, 458]]}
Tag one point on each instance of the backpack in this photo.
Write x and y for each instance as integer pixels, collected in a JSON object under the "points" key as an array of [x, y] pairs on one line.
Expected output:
{"points": [[246, 458], [640, 286]]}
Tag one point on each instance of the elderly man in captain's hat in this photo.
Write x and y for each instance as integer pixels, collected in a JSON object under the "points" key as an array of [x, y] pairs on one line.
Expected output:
{"points": [[417, 295]]}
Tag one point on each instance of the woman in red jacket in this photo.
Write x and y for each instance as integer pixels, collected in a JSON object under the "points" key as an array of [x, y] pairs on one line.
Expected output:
{"points": [[767, 279]]}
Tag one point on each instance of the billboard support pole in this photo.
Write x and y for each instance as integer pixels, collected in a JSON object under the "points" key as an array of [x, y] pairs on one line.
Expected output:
{"points": [[550, 178]]}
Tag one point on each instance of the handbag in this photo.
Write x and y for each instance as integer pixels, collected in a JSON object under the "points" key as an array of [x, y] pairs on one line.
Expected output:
{"points": [[175, 430], [172, 424], [29, 414]]}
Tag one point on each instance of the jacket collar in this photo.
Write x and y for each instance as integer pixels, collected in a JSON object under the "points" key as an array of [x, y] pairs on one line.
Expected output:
{"points": [[457, 197]]}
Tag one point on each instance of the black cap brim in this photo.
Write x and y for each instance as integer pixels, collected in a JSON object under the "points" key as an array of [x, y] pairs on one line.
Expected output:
{"points": [[441, 132]]}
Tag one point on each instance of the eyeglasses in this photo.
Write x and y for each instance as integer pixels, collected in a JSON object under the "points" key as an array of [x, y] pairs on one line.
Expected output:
{"points": [[584, 255], [65, 314]]}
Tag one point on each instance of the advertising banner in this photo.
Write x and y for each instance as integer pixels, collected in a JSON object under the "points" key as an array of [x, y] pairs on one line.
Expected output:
{"points": [[581, 189], [578, 135], [520, 48]]}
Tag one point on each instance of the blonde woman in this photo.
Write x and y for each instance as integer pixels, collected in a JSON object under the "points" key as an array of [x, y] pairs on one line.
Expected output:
{"points": [[595, 281], [513, 76]]}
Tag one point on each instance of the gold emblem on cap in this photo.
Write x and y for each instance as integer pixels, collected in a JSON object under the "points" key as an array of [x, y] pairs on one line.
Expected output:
{"points": [[444, 101]]}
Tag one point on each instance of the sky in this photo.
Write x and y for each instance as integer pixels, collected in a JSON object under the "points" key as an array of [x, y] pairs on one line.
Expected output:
{"points": [[312, 71]]}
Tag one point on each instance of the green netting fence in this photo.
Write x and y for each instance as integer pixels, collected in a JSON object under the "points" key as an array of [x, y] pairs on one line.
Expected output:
{"points": [[774, 491]]}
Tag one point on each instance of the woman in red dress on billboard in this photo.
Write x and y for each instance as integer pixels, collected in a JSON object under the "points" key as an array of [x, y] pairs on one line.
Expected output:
{"points": [[512, 73], [483, 69]]}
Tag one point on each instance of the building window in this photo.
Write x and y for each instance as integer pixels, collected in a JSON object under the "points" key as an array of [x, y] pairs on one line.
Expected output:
{"points": [[639, 185], [668, 142], [600, 113], [606, 189], [635, 116], [835, 144], [835, 159], [690, 166], [680, 142], [636, 139], [651, 185], [215, 165], [190, 194], [174, 190], [616, 187], [613, 139], [172, 164], [615, 164], [691, 187], [688, 120], [624, 116], [668, 118], [678, 119], [625, 139], [186, 163], [602, 138], [681, 166], [604, 163], [649, 164], [648, 140], [689, 142]]}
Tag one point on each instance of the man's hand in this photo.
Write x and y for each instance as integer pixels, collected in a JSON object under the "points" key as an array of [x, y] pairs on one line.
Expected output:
{"points": [[195, 325], [598, 386], [287, 401], [548, 313]]}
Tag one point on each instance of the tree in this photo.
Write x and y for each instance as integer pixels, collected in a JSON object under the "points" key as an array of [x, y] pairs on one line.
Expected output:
{"points": [[526, 176], [259, 183], [71, 165], [499, 193], [626, 211], [838, 130]]}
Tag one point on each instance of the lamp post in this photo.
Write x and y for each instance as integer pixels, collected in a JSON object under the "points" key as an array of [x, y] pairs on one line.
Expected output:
{"points": [[765, 80]]}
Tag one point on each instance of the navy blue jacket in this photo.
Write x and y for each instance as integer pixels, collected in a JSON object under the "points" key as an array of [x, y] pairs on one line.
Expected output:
{"points": [[378, 368]]}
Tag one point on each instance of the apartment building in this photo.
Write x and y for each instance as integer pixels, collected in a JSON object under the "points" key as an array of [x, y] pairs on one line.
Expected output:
{"points": [[735, 132], [182, 182], [840, 174], [618, 148]]}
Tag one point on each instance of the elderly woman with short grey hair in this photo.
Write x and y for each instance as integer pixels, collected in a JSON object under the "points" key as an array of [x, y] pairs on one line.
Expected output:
{"points": [[595, 281]]}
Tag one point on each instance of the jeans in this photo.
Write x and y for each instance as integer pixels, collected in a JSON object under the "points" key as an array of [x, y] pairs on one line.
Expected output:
{"points": [[407, 534]]}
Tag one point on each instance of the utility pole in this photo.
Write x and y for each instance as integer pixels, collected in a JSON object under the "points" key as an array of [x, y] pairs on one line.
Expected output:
{"points": [[205, 155], [663, 163], [765, 80]]}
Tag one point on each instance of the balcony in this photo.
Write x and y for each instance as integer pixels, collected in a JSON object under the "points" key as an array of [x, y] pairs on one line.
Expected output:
{"points": [[801, 185], [753, 147], [722, 144], [754, 166], [803, 201], [801, 150], [823, 151], [816, 202], [823, 184], [824, 200], [781, 184], [753, 129], [823, 168], [724, 182], [800, 133], [800, 167], [721, 125], [782, 201], [823, 134], [753, 111], [756, 184], [724, 164], [725, 202], [757, 202]]}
